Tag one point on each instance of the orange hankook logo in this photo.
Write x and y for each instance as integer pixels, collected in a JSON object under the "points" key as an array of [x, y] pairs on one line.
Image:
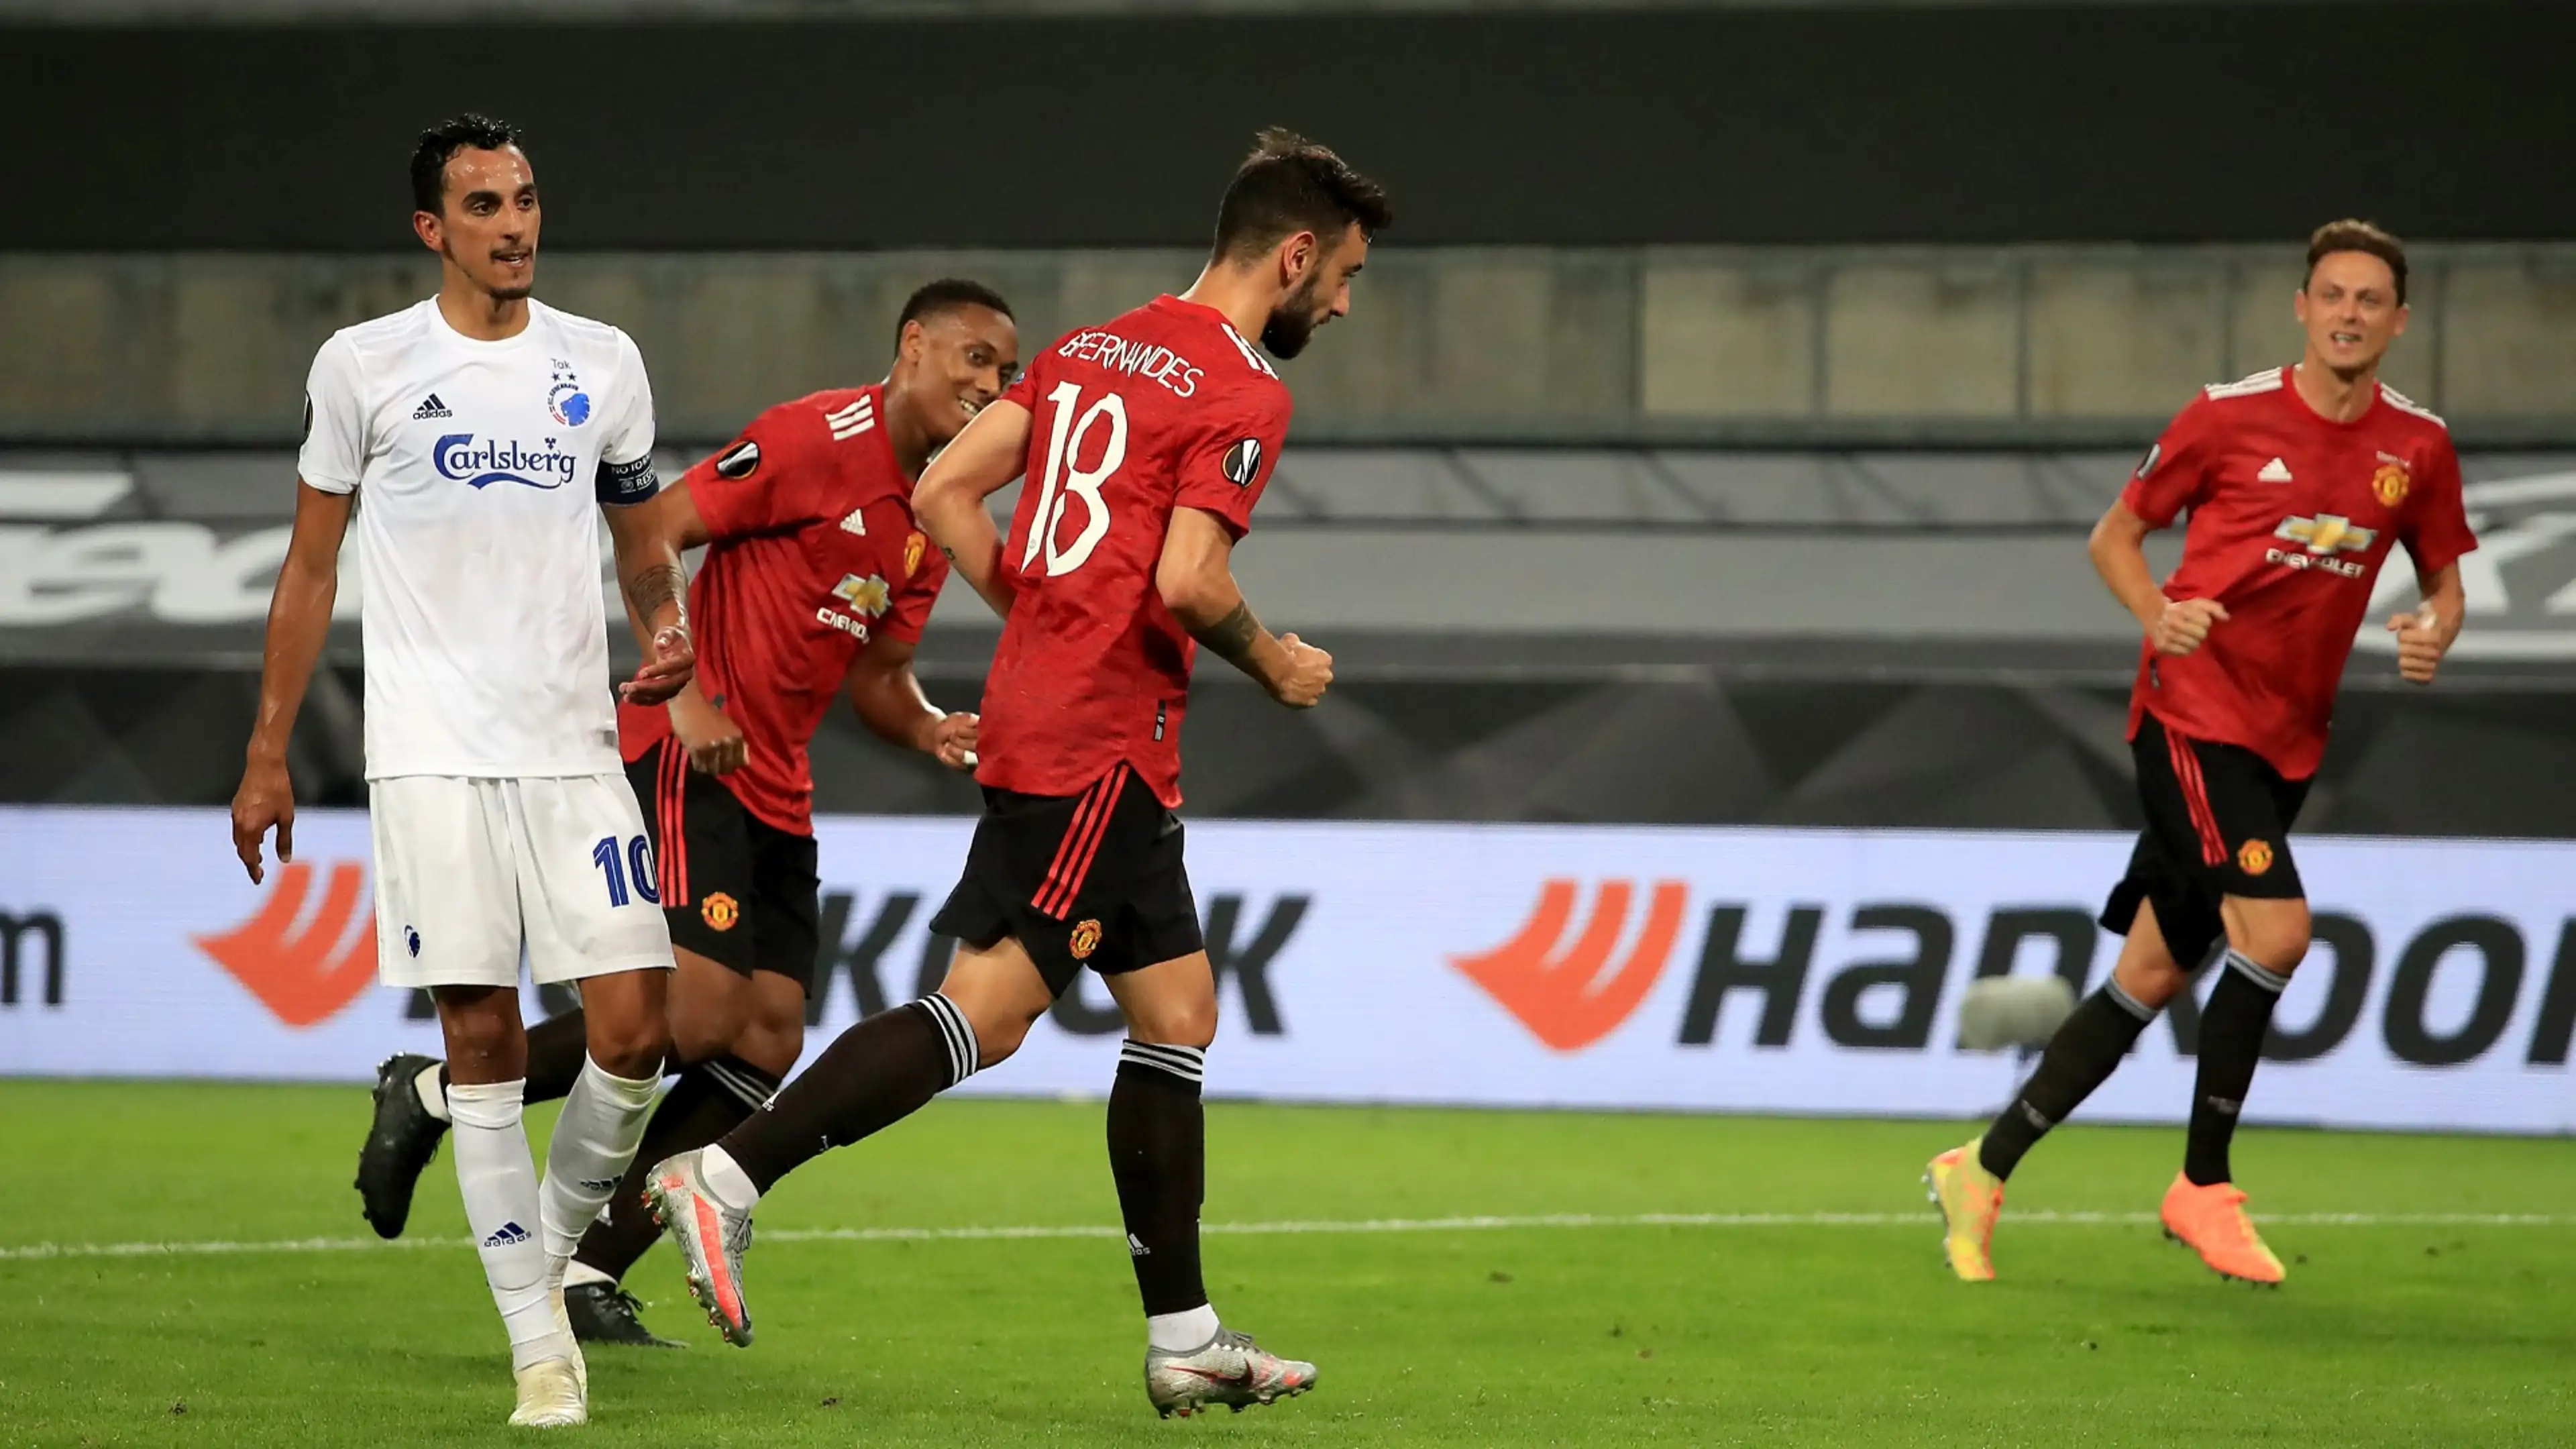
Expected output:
{"points": [[1567, 993], [304, 970]]}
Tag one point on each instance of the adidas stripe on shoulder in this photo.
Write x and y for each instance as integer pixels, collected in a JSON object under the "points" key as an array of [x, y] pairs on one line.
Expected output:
{"points": [[2268, 380], [857, 417], [2405, 404]]}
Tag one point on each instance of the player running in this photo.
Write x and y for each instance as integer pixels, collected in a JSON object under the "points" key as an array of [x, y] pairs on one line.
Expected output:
{"points": [[816, 579], [1146, 442], [483, 429], [2297, 480]]}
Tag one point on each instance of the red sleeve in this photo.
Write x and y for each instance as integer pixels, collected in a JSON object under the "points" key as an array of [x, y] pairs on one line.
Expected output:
{"points": [[773, 476], [909, 613], [2174, 475], [1024, 388], [1228, 464], [2436, 529]]}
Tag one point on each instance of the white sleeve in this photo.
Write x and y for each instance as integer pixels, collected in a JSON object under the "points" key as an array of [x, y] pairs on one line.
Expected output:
{"points": [[334, 450], [626, 453]]}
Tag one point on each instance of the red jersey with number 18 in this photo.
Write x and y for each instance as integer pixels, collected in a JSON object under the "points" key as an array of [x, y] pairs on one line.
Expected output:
{"points": [[2291, 517], [1165, 407]]}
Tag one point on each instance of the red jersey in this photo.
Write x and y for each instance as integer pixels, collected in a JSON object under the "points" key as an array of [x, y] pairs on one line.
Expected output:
{"points": [[2291, 517], [1165, 407], [813, 549]]}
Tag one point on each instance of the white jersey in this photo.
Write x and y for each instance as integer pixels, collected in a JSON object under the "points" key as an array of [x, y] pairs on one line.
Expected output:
{"points": [[479, 467]]}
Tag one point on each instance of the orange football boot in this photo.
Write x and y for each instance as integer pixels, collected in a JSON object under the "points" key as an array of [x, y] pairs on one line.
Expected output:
{"points": [[2211, 1221]]}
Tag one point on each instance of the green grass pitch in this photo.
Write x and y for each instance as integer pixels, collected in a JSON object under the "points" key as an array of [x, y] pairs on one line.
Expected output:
{"points": [[1832, 1330]]}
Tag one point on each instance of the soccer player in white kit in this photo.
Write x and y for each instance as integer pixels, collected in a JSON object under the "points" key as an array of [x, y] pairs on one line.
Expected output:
{"points": [[477, 428]]}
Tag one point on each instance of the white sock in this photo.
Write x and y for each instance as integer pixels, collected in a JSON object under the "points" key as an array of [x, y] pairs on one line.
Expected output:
{"points": [[595, 1138], [433, 1096], [1183, 1331], [577, 1272], [726, 1179], [499, 1182]]}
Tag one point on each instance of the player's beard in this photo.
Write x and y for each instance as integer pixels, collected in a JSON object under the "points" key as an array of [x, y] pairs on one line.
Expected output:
{"points": [[498, 292], [1292, 323]]}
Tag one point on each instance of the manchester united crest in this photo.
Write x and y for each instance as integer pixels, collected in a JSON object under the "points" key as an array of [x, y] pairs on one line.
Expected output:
{"points": [[912, 551], [719, 911], [1085, 940], [2390, 484], [2254, 857]]}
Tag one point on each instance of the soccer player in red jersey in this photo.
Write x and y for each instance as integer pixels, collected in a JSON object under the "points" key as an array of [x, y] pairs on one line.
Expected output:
{"points": [[2298, 481], [816, 581], [1146, 442]]}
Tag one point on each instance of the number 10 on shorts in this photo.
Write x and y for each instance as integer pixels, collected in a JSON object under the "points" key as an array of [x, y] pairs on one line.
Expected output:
{"points": [[614, 864]]}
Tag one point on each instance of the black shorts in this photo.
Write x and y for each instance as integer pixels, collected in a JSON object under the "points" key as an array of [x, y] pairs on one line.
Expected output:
{"points": [[1093, 880], [734, 888], [2218, 825]]}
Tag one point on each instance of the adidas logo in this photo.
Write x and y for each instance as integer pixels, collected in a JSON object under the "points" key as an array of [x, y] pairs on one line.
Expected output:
{"points": [[510, 1235], [2275, 471], [598, 1184], [853, 420], [430, 407], [856, 523], [1136, 1247]]}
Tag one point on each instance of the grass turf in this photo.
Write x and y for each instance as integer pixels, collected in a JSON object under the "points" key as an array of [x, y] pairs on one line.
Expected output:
{"points": [[1847, 1334]]}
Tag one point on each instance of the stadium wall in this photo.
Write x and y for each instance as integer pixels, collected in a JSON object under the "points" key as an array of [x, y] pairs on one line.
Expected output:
{"points": [[1739, 971], [2020, 346]]}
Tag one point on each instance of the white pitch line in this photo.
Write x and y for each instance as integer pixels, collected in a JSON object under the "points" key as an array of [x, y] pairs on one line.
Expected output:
{"points": [[35, 1251]]}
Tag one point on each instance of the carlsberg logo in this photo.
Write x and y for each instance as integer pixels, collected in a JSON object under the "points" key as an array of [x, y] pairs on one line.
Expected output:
{"points": [[498, 460]]}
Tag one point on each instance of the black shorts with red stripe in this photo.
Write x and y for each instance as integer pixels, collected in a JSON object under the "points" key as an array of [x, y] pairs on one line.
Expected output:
{"points": [[2218, 825], [1092, 880], [735, 888]]}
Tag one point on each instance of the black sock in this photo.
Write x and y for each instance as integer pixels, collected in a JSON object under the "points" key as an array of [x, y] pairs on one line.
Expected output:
{"points": [[1158, 1154], [557, 1046], [2081, 1057], [872, 1076], [708, 1101], [2231, 1042]]}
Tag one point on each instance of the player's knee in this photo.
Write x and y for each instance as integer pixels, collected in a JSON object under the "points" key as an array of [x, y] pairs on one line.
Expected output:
{"points": [[772, 1043], [2151, 983], [699, 1036], [1000, 1027], [1189, 1022], [631, 1046], [2275, 936], [2275, 939]]}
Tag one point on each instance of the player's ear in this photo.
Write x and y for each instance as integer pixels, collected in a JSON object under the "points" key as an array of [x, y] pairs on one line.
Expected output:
{"points": [[1297, 257], [425, 225], [914, 338], [2400, 329]]}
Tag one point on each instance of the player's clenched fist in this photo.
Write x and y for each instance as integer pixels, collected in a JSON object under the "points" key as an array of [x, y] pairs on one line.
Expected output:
{"points": [[952, 739], [2185, 623], [2419, 646], [715, 743], [1310, 673]]}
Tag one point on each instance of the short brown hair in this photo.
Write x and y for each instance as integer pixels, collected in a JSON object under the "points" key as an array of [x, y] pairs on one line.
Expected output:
{"points": [[2349, 235], [1290, 184]]}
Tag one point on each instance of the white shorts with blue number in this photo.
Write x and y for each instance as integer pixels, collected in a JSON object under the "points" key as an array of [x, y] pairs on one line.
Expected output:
{"points": [[470, 870]]}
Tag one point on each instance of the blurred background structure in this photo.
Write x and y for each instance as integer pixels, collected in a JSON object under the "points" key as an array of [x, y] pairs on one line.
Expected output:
{"points": [[1744, 480]]}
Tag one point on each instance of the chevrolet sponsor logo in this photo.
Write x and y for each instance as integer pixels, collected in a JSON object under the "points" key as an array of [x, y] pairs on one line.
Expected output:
{"points": [[2325, 533], [864, 595], [2322, 537]]}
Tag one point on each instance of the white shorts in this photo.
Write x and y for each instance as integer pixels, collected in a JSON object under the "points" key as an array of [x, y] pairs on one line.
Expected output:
{"points": [[468, 871]]}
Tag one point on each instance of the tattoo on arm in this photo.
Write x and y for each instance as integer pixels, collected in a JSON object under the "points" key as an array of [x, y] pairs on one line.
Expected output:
{"points": [[1231, 637], [654, 585]]}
